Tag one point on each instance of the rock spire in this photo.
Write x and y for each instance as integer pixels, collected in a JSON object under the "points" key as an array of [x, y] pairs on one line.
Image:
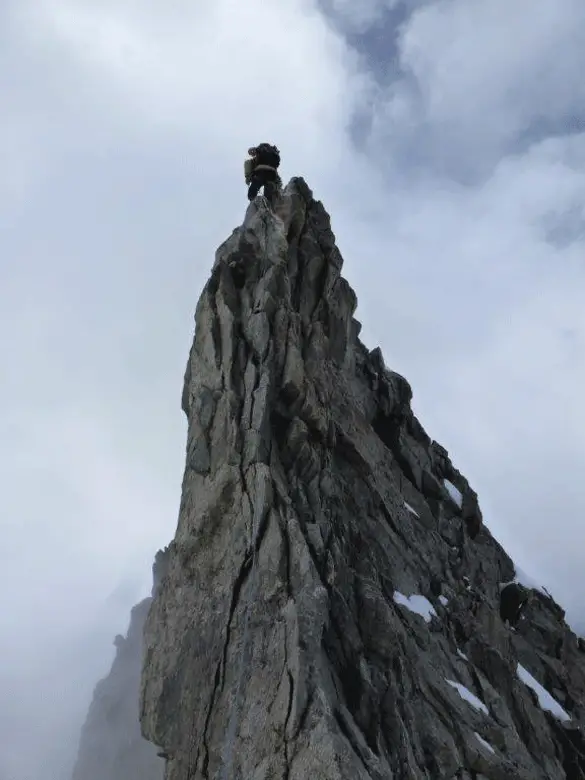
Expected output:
{"points": [[331, 606]]}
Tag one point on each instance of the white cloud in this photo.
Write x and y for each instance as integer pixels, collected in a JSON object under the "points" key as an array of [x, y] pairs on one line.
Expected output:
{"points": [[481, 75], [359, 17], [218, 70]]}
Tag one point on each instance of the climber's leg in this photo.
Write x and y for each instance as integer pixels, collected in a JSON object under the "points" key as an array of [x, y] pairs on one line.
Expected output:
{"points": [[256, 183], [270, 186]]}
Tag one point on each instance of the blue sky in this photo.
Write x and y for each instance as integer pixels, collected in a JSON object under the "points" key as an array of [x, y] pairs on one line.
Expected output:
{"points": [[446, 139]]}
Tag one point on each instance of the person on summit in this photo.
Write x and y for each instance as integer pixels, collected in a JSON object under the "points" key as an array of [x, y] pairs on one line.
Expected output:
{"points": [[261, 170]]}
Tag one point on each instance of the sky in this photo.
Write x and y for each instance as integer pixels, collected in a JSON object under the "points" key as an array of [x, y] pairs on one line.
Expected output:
{"points": [[447, 140]]}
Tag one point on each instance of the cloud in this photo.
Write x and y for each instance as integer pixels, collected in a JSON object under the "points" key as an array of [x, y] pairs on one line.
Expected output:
{"points": [[358, 17], [477, 80], [209, 68], [459, 213]]}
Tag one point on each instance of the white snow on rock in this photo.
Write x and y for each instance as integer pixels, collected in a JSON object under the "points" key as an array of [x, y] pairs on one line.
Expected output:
{"points": [[454, 493], [462, 655], [410, 509], [469, 697], [545, 700], [444, 600], [482, 741], [416, 603]]}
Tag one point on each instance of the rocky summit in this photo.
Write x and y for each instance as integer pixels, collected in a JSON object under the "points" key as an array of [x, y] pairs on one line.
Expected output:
{"points": [[332, 605]]}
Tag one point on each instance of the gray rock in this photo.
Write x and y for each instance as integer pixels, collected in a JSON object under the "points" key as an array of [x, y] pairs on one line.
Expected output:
{"points": [[111, 746], [310, 624]]}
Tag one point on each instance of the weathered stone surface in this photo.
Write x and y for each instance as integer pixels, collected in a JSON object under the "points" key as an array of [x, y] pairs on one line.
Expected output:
{"points": [[111, 745], [281, 643]]}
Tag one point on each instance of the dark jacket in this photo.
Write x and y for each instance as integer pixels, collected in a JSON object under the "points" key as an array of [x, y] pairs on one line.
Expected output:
{"points": [[262, 157]]}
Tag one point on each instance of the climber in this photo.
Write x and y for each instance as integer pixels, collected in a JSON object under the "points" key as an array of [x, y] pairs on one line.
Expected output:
{"points": [[260, 170], [513, 600]]}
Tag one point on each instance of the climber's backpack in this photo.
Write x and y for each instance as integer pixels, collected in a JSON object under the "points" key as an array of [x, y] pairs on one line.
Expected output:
{"points": [[248, 169], [266, 154]]}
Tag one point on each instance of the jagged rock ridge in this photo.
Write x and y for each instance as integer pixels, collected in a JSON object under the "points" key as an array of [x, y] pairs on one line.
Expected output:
{"points": [[111, 746], [333, 604]]}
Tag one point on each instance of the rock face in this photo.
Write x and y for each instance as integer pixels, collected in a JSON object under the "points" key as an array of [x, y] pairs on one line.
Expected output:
{"points": [[331, 607], [111, 745]]}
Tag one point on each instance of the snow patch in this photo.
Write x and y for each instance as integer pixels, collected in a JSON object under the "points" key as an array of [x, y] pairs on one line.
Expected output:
{"points": [[454, 493], [482, 741], [462, 655], [410, 509], [469, 697], [444, 600], [416, 603], [545, 700]]}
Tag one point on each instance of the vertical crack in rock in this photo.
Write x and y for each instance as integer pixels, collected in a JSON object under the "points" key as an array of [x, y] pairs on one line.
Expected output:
{"points": [[332, 603], [289, 709], [192, 766], [237, 589]]}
